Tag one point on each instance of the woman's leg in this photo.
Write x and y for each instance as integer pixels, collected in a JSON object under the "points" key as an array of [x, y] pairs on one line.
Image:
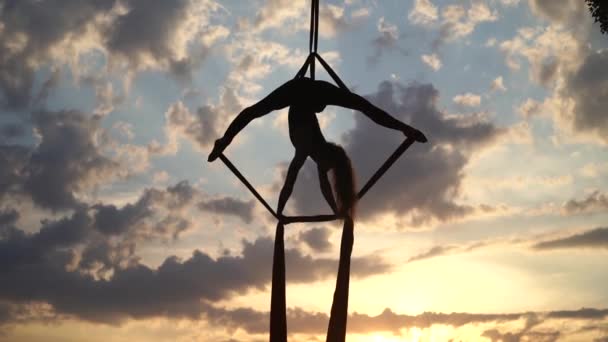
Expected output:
{"points": [[326, 189], [278, 99], [336, 331], [292, 174]]}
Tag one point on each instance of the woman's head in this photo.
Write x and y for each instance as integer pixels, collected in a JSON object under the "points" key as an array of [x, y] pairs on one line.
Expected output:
{"points": [[343, 180]]}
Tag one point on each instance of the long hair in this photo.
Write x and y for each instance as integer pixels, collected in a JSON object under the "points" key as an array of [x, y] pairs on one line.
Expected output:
{"points": [[343, 181]]}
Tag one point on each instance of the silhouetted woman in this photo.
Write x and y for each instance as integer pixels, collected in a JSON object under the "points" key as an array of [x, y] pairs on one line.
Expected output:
{"points": [[305, 98]]}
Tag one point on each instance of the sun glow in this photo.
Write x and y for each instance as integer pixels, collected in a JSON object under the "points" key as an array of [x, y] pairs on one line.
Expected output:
{"points": [[436, 333]]}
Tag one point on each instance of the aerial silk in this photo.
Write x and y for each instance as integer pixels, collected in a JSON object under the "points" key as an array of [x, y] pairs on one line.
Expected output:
{"points": [[336, 331]]}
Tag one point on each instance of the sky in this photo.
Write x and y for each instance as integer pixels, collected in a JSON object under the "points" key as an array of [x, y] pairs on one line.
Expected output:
{"points": [[114, 227]]}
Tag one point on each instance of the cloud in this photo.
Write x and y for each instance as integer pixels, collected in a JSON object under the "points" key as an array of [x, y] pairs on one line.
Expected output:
{"points": [[594, 202], [468, 100], [423, 13], [13, 159], [71, 154], [431, 253], [201, 128], [566, 12], [444, 250], [509, 2], [587, 87], [562, 58], [166, 35], [594, 170], [275, 13], [305, 322], [106, 98], [293, 16], [424, 185], [530, 108], [35, 269], [316, 239], [229, 206], [10, 131], [8, 217], [498, 84], [595, 238], [386, 41], [458, 22], [532, 320], [432, 61], [584, 313], [67, 160], [133, 35], [164, 213], [21, 40]]}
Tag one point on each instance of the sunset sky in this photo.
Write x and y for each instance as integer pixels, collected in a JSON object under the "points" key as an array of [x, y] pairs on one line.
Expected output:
{"points": [[113, 226]]}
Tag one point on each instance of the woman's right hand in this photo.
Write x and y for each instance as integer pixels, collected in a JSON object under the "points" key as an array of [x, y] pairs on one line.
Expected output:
{"points": [[218, 148]]}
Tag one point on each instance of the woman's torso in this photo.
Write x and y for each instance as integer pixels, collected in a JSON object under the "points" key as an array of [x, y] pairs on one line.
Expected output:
{"points": [[304, 130]]}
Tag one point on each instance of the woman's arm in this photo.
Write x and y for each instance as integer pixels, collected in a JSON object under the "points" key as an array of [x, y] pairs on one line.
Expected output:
{"points": [[278, 99], [333, 95]]}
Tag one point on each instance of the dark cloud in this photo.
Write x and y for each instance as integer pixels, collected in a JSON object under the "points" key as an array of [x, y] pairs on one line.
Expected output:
{"points": [[149, 34], [66, 161], [31, 29], [594, 202], [595, 238], [146, 29], [229, 206], [108, 233], [35, 268], [8, 217], [584, 313], [316, 239], [588, 87], [133, 34], [18, 249], [583, 78], [156, 214], [13, 159], [100, 257], [9, 131], [111, 220], [426, 181]]}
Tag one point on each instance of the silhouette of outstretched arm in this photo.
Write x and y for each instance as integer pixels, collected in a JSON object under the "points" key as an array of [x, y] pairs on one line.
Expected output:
{"points": [[333, 95], [278, 99]]}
